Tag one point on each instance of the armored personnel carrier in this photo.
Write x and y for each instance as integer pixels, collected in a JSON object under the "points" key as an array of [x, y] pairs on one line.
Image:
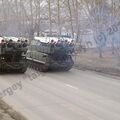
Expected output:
{"points": [[45, 56], [13, 55]]}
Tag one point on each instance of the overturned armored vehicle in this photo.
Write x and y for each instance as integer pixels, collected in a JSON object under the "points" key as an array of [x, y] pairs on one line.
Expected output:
{"points": [[45, 56], [13, 55]]}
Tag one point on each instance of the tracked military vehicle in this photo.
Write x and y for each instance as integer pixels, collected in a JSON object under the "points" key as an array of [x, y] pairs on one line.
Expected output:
{"points": [[45, 56], [13, 55]]}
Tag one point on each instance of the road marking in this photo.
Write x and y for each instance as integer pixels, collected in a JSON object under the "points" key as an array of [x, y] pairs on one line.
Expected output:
{"points": [[72, 86]]}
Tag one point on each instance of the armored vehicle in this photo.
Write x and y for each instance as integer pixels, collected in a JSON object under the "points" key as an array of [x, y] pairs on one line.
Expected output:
{"points": [[13, 55], [45, 56]]}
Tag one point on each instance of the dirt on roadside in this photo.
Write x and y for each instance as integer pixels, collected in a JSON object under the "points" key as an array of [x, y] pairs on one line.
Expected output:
{"points": [[109, 64], [7, 113]]}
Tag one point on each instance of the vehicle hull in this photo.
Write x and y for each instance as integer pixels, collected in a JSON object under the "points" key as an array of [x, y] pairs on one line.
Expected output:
{"points": [[19, 67]]}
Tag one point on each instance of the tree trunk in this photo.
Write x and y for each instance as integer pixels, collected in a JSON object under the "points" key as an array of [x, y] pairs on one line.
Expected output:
{"points": [[50, 21], [58, 13], [71, 19], [77, 21]]}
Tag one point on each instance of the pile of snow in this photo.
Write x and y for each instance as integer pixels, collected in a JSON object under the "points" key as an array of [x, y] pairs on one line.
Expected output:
{"points": [[48, 39]]}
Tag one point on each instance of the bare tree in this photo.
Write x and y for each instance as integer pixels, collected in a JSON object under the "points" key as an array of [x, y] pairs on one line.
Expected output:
{"points": [[50, 19], [71, 17], [58, 14]]}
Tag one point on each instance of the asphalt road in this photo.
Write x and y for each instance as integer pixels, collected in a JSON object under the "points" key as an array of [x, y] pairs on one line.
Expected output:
{"points": [[74, 95]]}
